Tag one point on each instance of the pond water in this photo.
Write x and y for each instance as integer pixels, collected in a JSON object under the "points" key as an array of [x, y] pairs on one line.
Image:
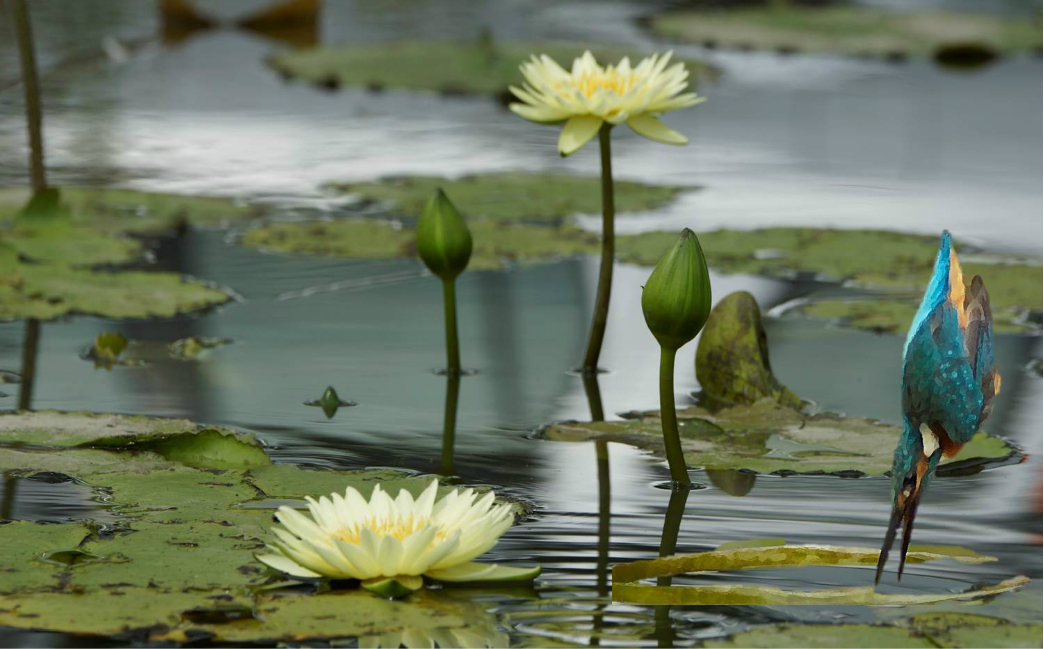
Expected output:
{"points": [[801, 140]]}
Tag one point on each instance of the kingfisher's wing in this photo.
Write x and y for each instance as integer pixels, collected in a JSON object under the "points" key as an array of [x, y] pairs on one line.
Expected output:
{"points": [[948, 373]]}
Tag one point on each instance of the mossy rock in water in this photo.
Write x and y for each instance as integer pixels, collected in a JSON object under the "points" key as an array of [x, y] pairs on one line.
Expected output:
{"points": [[182, 552], [929, 630], [46, 291], [518, 196], [877, 259], [732, 359], [766, 437], [111, 211], [480, 66], [853, 30]]}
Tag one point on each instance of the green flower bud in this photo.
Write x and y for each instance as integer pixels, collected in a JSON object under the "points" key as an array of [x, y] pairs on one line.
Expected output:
{"points": [[443, 239], [677, 298]]}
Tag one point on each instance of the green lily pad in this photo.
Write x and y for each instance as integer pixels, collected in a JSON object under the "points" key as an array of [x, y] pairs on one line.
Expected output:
{"points": [[626, 586], [497, 244], [481, 66], [50, 291], [732, 359], [183, 549], [849, 29], [517, 196], [970, 630], [113, 211], [765, 437]]}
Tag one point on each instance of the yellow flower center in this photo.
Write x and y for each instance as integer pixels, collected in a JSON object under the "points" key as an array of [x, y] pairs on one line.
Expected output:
{"points": [[400, 528], [610, 79]]}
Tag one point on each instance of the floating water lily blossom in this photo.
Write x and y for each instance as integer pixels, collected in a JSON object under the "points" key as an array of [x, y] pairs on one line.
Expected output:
{"points": [[590, 95], [390, 543]]}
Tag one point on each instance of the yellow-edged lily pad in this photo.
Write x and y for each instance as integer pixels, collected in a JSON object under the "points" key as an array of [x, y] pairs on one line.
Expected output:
{"points": [[626, 577]]}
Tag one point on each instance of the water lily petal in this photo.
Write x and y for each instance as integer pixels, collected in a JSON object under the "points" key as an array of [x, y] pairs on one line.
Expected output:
{"points": [[472, 571], [285, 565], [577, 132], [652, 128]]}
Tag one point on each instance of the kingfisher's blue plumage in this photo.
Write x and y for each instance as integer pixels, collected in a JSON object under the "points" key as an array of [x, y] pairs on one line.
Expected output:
{"points": [[949, 382]]}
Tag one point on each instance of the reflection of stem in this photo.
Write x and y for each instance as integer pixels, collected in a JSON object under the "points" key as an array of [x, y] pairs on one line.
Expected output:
{"points": [[594, 396], [449, 298], [605, 271], [668, 544], [30, 346], [31, 86], [449, 423], [7, 504], [669, 419], [604, 516]]}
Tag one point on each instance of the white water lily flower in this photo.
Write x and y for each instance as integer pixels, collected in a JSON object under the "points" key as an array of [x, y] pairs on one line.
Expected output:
{"points": [[591, 95], [389, 543]]}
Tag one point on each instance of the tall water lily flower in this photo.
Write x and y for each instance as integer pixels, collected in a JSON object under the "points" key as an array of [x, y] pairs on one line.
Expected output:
{"points": [[591, 99], [389, 544], [676, 302]]}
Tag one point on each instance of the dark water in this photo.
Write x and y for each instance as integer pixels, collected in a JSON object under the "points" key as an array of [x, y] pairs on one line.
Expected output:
{"points": [[784, 141]]}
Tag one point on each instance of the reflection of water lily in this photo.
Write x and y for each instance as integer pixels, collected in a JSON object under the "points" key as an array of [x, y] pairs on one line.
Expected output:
{"points": [[415, 638], [390, 543], [590, 95]]}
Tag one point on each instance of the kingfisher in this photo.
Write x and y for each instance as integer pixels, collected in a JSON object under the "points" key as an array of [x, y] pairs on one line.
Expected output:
{"points": [[949, 383]]}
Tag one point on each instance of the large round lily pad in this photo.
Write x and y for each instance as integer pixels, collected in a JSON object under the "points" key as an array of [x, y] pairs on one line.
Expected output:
{"points": [[766, 437], [519, 196], [183, 550], [481, 66], [849, 29]]}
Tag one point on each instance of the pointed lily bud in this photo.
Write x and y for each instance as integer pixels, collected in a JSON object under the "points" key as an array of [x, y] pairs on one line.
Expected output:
{"points": [[443, 239], [676, 299]]}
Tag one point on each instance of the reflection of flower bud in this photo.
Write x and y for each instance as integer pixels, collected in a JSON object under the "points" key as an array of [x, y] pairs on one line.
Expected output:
{"points": [[443, 239], [677, 298]]}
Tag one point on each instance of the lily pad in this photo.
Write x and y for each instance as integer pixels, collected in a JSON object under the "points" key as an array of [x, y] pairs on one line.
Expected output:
{"points": [[481, 66], [110, 211], [497, 244], [194, 348], [765, 437], [848, 29], [626, 586], [732, 359], [182, 552], [48, 291], [517, 196]]}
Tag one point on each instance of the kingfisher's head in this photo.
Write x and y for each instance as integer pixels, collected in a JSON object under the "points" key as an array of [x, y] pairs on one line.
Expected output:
{"points": [[915, 460]]}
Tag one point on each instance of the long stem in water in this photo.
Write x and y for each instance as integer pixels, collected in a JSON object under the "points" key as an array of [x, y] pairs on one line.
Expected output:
{"points": [[669, 419], [605, 271], [449, 423], [31, 87], [449, 298]]}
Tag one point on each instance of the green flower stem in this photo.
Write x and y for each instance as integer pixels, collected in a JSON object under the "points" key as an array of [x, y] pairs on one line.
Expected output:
{"points": [[31, 88], [669, 419], [449, 298], [605, 271], [449, 423]]}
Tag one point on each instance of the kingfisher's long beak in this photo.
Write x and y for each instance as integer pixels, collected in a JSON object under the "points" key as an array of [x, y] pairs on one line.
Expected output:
{"points": [[904, 510]]}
